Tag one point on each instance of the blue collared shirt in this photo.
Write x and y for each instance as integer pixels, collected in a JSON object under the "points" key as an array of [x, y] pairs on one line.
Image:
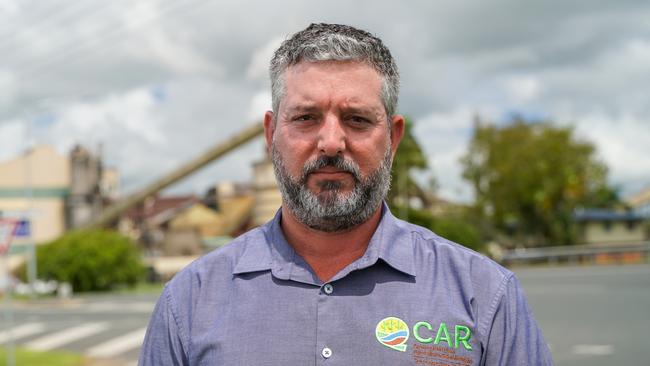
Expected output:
{"points": [[414, 298]]}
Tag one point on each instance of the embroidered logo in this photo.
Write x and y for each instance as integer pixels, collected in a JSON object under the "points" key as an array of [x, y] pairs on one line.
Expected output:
{"points": [[393, 333]]}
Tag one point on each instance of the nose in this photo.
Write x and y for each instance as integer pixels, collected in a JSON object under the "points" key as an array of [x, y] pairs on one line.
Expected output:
{"points": [[331, 139]]}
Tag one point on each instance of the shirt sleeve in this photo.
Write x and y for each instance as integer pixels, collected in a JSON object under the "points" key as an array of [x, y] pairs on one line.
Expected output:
{"points": [[163, 343], [514, 338]]}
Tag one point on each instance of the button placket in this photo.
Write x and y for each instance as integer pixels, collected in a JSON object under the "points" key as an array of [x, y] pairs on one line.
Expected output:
{"points": [[326, 290]]}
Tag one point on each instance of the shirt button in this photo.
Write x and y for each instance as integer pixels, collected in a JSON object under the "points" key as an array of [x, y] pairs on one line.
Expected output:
{"points": [[328, 288], [326, 353]]}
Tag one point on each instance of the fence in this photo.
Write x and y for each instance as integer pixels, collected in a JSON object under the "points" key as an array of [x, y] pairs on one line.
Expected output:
{"points": [[602, 254]]}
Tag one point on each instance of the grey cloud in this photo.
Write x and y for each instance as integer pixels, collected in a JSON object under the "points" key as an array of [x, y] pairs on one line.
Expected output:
{"points": [[453, 56]]}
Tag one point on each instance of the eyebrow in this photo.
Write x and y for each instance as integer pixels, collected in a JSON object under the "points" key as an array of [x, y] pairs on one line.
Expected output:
{"points": [[304, 107], [361, 110], [312, 107]]}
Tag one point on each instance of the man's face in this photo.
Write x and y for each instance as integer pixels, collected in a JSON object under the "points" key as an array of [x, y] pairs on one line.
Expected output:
{"points": [[332, 143]]}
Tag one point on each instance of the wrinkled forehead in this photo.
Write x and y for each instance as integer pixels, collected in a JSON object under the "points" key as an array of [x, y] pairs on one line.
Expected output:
{"points": [[350, 82], [332, 66]]}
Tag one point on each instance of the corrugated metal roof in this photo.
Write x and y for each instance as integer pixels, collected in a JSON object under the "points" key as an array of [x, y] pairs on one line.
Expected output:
{"points": [[606, 215]]}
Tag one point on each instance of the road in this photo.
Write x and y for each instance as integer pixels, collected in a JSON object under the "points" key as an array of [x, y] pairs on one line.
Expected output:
{"points": [[589, 315], [592, 315], [109, 327]]}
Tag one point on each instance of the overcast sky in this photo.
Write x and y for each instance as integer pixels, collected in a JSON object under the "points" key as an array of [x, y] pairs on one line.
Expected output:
{"points": [[157, 82]]}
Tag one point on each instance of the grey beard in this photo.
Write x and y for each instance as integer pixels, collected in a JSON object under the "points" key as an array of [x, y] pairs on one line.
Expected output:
{"points": [[331, 210]]}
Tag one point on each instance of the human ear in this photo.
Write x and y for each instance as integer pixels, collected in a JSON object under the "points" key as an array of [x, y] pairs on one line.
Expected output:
{"points": [[396, 131], [269, 129]]}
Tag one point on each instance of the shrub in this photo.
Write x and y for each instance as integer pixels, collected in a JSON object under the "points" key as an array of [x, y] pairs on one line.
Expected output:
{"points": [[91, 260]]}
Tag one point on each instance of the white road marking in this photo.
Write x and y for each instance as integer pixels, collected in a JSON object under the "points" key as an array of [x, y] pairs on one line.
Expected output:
{"points": [[86, 307], [118, 345], [21, 331], [134, 307], [66, 336], [593, 349]]}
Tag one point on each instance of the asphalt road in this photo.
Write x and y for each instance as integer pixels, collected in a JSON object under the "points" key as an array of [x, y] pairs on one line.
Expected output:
{"points": [[592, 316], [104, 327], [589, 316]]}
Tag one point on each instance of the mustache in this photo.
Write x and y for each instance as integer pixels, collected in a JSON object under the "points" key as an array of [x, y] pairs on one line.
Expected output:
{"points": [[337, 162]]}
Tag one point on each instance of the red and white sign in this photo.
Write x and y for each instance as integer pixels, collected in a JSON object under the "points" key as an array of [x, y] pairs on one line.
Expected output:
{"points": [[7, 231]]}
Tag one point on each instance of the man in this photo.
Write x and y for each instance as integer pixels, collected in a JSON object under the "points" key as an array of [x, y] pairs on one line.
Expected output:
{"points": [[334, 278]]}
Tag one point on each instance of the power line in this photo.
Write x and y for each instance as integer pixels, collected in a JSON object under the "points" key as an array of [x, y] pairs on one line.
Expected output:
{"points": [[28, 69]]}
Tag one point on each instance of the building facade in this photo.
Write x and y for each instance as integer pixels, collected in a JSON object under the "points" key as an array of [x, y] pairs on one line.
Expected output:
{"points": [[606, 227], [52, 191]]}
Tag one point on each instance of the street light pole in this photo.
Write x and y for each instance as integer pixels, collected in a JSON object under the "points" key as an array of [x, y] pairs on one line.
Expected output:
{"points": [[29, 193]]}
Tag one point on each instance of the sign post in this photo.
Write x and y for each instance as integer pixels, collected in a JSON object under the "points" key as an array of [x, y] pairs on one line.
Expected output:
{"points": [[7, 231], [23, 231]]}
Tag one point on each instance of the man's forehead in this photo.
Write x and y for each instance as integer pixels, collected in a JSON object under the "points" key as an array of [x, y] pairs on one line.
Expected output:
{"points": [[332, 67], [355, 84], [330, 63], [304, 104]]}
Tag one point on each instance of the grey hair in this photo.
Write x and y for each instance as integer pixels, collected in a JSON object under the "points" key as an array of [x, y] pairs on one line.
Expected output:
{"points": [[335, 42]]}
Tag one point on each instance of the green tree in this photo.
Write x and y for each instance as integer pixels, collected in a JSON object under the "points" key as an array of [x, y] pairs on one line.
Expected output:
{"points": [[529, 178], [408, 157], [91, 260]]}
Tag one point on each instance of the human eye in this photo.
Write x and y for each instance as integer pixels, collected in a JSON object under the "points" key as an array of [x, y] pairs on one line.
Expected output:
{"points": [[304, 118], [359, 121]]}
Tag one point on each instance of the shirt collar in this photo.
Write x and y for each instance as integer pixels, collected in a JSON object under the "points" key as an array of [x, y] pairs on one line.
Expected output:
{"points": [[392, 243], [268, 249]]}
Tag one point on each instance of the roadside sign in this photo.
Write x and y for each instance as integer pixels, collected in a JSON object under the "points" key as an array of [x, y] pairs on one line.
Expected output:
{"points": [[7, 231], [23, 228]]}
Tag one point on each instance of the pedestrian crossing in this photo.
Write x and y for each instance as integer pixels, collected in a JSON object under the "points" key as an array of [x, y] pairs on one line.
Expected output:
{"points": [[116, 346], [66, 336], [21, 331], [39, 336]]}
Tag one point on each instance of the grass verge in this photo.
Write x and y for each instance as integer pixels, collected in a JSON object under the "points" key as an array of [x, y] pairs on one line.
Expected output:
{"points": [[32, 358]]}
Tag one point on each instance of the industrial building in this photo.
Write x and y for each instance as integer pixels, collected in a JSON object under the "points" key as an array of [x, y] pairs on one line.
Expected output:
{"points": [[53, 192]]}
